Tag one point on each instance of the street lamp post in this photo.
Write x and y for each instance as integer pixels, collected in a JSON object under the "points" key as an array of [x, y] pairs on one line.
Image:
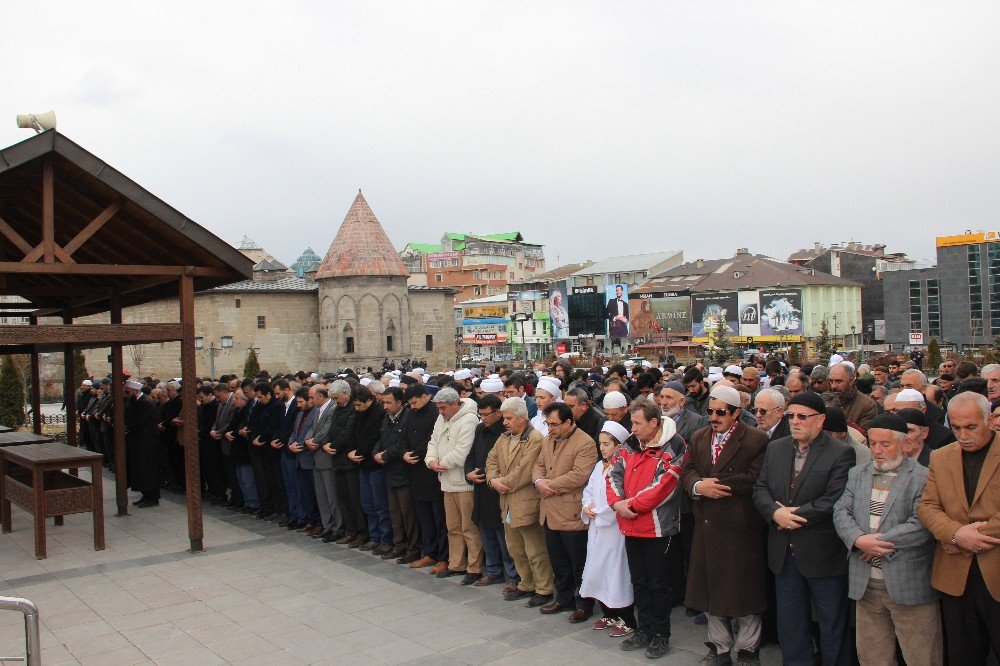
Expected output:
{"points": [[522, 317]]}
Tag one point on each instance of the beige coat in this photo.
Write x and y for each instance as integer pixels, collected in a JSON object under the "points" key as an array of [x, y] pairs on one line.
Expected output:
{"points": [[567, 465], [515, 468]]}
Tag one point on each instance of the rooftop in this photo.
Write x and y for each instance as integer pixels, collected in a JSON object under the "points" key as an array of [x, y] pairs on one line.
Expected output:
{"points": [[285, 283], [630, 263], [742, 271], [361, 247], [560, 272]]}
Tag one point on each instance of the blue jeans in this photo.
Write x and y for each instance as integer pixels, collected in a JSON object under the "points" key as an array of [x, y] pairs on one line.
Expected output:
{"points": [[829, 595], [290, 475], [244, 474], [375, 504], [498, 560]]}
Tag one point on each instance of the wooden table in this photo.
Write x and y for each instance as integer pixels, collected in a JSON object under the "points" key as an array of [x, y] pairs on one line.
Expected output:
{"points": [[32, 477], [16, 438]]}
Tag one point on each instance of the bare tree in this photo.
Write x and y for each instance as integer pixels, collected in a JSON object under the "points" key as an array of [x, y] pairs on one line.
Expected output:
{"points": [[138, 355]]}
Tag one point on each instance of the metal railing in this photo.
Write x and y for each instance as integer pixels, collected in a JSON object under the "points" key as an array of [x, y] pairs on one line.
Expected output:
{"points": [[32, 638]]}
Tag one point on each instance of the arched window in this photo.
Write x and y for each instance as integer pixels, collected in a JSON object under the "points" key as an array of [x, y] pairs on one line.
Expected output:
{"points": [[390, 336], [348, 339]]}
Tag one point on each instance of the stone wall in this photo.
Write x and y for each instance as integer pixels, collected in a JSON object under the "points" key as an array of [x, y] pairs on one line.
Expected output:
{"points": [[432, 314]]}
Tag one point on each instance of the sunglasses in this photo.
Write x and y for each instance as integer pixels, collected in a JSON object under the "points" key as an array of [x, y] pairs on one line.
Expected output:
{"points": [[801, 417], [718, 412], [760, 411]]}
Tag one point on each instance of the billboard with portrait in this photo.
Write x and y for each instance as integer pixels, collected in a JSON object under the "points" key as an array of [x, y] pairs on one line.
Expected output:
{"points": [[781, 312], [749, 306], [708, 309], [616, 307], [655, 312], [558, 310], [587, 311]]}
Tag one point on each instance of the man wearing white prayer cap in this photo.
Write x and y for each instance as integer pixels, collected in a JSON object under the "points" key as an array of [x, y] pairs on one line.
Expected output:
{"points": [[492, 385], [547, 391], [616, 409]]}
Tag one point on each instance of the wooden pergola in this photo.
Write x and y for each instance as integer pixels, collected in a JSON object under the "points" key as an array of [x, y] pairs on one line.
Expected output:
{"points": [[79, 238]]}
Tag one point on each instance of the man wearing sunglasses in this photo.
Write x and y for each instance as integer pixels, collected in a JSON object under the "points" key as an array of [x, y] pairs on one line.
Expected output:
{"points": [[769, 408], [726, 575], [801, 480]]}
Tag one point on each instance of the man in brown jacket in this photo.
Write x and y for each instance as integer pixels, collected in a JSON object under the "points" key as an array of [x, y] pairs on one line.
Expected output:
{"points": [[858, 408], [726, 577], [960, 506], [509, 466], [567, 458]]}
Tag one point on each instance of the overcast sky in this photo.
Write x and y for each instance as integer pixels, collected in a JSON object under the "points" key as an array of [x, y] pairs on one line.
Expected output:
{"points": [[596, 128]]}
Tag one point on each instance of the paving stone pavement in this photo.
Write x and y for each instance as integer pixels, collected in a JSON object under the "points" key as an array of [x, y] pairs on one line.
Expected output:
{"points": [[260, 594]]}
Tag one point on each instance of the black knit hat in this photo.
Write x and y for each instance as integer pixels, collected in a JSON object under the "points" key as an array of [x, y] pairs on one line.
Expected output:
{"points": [[835, 420], [912, 416], [809, 399], [889, 422]]}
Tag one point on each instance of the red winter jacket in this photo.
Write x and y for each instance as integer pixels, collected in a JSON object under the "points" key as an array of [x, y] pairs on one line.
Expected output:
{"points": [[650, 480]]}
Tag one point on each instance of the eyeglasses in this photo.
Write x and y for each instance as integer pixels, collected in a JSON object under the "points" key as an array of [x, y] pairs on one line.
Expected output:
{"points": [[484, 414], [760, 411], [555, 424], [719, 412], [801, 417]]}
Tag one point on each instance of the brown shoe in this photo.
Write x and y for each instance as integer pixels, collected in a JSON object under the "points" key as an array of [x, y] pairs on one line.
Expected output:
{"points": [[305, 528], [424, 561], [316, 531], [488, 580], [510, 588], [357, 543], [439, 567]]}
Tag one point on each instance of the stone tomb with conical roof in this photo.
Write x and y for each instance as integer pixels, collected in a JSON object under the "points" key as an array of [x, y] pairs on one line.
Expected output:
{"points": [[364, 303]]}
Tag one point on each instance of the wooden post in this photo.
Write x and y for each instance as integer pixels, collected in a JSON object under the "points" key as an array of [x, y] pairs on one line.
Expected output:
{"points": [[189, 414], [48, 212], [118, 391], [36, 386], [69, 388]]}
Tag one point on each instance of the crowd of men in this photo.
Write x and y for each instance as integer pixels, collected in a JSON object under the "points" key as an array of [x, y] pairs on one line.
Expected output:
{"points": [[840, 510]]}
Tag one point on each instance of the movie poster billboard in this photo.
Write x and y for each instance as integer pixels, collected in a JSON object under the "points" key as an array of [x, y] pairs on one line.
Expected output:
{"points": [[558, 312], [587, 311], [616, 305], [781, 312], [749, 306], [708, 309], [654, 312]]}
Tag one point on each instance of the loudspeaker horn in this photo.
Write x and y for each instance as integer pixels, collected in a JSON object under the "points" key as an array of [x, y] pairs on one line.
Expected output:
{"points": [[39, 122]]}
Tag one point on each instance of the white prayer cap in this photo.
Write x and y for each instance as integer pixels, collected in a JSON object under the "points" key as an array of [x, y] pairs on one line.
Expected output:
{"points": [[647, 364], [550, 385], [462, 373], [714, 370], [614, 400], [714, 377], [425, 378], [450, 373], [835, 359], [733, 370], [726, 394], [393, 382], [491, 385], [909, 395], [629, 363], [420, 370], [132, 384], [616, 430], [365, 381]]}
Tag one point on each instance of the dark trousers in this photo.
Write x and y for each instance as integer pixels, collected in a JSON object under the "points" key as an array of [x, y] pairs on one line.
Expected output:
{"points": [[433, 528], [307, 490], [375, 503], [567, 555], [212, 471], [349, 498], [650, 573], [233, 480], [403, 513], [679, 557], [496, 559], [293, 492], [971, 621], [175, 456], [829, 596], [270, 485]]}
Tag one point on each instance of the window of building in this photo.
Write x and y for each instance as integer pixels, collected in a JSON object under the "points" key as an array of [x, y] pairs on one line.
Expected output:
{"points": [[993, 256], [261, 321], [975, 283], [934, 308], [437, 277], [512, 275], [428, 343], [238, 302], [915, 323], [227, 342], [477, 291], [349, 345], [388, 343]]}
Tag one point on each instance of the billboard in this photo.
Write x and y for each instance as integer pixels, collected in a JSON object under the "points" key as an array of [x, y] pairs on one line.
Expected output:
{"points": [[485, 334], [616, 306], [587, 311], [781, 312], [708, 309], [749, 307], [485, 311], [558, 313], [654, 312]]}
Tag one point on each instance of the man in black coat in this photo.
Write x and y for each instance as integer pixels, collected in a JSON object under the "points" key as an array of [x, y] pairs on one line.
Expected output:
{"points": [[486, 500], [263, 423], [585, 415], [171, 414], [142, 452], [402, 511], [802, 478], [369, 415], [285, 458], [212, 472], [345, 472], [424, 483]]}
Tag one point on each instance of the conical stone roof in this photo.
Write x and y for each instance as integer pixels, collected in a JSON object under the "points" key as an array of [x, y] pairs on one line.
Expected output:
{"points": [[361, 247]]}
